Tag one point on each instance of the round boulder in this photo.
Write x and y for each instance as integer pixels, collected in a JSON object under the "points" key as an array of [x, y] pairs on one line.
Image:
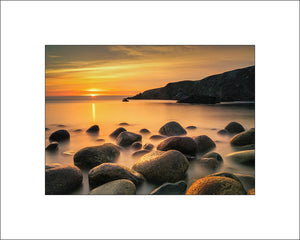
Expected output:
{"points": [[62, 180], [186, 145], [170, 189], [107, 172], [93, 129], [116, 133], [204, 144], [116, 187], [123, 124], [234, 127], [148, 146], [144, 131], [60, 136], [215, 185], [191, 127], [172, 129], [244, 138], [52, 147], [125, 139], [223, 132], [136, 145], [215, 155], [246, 157], [90, 157], [160, 167]]}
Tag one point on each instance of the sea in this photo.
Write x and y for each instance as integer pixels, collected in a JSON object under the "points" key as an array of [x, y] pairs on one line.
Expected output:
{"points": [[73, 113]]}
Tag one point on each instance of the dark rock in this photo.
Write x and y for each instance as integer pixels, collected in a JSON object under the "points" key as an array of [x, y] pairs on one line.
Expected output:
{"points": [[116, 133], [90, 157], [52, 147], [125, 100], [93, 129], [144, 131], [244, 138], [62, 180], [170, 189], [52, 165], [223, 132], [123, 124], [234, 127], [157, 137], [60, 136], [251, 191], [191, 127], [161, 167], [140, 153], [215, 155], [204, 144], [186, 145], [136, 145], [210, 163], [47, 129], [215, 185], [107, 172], [226, 174], [172, 129], [125, 139], [116, 187], [199, 99], [246, 157], [148, 146], [100, 140]]}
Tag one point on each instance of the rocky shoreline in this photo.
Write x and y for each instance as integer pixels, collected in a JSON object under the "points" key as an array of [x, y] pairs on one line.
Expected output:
{"points": [[164, 166]]}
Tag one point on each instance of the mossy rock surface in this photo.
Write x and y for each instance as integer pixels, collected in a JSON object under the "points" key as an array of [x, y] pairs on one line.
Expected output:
{"points": [[117, 187]]}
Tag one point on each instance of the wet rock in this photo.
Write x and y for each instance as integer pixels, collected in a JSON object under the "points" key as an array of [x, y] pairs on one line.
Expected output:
{"points": [[204, 144], [251, 191], [215, 155], [90, 157], [244, 138], [144, 131], [246, 157], [125, 139], [52, 147], [185, 145], [172, 129], [60, 136], [157, 137], [116, 133], [223, 132], [191, 127], [161, 167], [148, 146], [107, 172], [234, 127], [123, 124], [136, 145], [93, 129], [170, 189], [62, 180], [215, 185], [210, 163], [140, 153], [116, 187], [52, 165]]}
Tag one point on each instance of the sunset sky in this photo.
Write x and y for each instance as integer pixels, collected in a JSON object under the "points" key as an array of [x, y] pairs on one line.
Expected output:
{"points": [[128, 70]]}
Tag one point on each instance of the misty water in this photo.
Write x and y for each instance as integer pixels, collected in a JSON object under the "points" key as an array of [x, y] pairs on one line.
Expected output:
{"points": [[108, 112]]}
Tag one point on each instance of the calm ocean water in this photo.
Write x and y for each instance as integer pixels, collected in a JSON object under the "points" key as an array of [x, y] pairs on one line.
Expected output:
{"points": [[107, 112]]}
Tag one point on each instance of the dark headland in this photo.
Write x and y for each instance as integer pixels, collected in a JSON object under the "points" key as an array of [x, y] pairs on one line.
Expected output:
{"points": [[235, 85]]}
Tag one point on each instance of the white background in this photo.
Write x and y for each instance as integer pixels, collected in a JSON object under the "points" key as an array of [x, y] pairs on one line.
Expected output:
{"points": [[27, 213]]}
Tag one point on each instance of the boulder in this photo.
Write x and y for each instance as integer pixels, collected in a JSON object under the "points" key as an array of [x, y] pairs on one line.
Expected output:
{"points": [[123, 124], [186, 145], [223, 132], [60, 136], [116, 133], [210, 163], [177, 188], [172, 129], [215, 185], [234, 127], [140, 153], [215, 155], [160, 167], [191, 127], [90, 157], [144, 131], [93, 129], [116, 187], [136, 145], [251, 191], [246, 157], [125, 139], [100, 140], [62, 180], [204, 144], [107, 172], [148, 146], [52, 147], [157, 137], [244, 138]]}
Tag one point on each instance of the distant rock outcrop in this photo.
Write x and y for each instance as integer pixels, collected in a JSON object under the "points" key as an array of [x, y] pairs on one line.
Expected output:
{"points": [[236, 85]]}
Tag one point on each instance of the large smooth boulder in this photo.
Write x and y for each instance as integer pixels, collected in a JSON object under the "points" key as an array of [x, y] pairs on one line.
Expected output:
{"points": [[93, 129], [125, 139], [172, 129], [214, 155], [107, 172], [62, 180], [186, 145], [244, 138], [116, 187], [234, 127], [246, 157], [204, 144], [160, 166], [215, 185], [116, 133], [170, 189], [59, 136], [90, 157]]}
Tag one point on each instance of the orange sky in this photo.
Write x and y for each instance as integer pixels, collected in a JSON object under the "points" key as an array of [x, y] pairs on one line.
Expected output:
{"points": [[128, 70]]}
